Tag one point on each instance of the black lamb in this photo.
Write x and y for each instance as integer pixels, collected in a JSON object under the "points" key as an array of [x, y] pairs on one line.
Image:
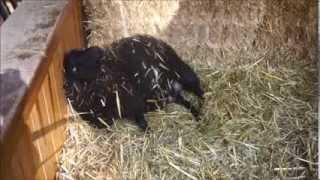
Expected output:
{"points": [[150, 69], [99, 91]]}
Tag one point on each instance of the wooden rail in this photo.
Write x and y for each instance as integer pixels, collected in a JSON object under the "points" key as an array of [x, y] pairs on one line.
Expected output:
{"points": [[33, 108]]}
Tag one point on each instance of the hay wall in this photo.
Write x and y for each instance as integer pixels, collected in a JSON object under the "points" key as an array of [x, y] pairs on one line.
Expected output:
{"points": [[213, 32]]}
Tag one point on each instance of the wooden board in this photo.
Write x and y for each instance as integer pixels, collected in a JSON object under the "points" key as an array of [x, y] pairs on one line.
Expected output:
{"points": [[32, 128]]}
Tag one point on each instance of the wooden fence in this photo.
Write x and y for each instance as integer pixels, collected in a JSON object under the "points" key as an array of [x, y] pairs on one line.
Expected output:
{"points": [[33, 126]]}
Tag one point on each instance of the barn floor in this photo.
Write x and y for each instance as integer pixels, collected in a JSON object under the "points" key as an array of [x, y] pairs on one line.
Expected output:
{"points": [[257, 122], [259, 119]]}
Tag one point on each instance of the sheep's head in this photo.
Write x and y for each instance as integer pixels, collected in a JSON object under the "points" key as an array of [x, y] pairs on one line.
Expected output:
{"points": [[83, 64], [191, 82]]}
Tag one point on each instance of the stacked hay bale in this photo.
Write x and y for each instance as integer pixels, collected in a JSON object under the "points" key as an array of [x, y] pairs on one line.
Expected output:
{"points": [[225, 32], [257, 63]]}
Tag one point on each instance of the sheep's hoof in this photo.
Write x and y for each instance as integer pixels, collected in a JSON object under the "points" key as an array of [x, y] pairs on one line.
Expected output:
{"points": [[143, 125], [195, 114], [197, 118]]}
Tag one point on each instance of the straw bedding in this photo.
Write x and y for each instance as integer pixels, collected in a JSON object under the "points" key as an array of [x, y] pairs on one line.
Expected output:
{"points": [[259, 119]]}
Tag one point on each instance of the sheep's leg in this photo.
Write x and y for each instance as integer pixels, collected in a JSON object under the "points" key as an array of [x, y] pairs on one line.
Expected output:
{"points": [[182, 101], [141, 121], [137, 104]]}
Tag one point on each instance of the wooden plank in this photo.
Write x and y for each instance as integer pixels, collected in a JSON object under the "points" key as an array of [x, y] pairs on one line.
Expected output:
{"points": [[16, 151], [42, 140], [77, 24], [47, 128], [18, 168], [25, 154], [48, 106], [57, 95], [34, 123], [68, 39], [57, 106], [80, 26]]}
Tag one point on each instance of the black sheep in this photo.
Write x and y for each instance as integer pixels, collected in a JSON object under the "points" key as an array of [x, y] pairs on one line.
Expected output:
{"points": [[100, 91], [155, 65], [154, 72]]}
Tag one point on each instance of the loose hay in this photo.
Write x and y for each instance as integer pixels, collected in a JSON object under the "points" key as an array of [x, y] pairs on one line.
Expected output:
{"points": [[258, 122]]}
